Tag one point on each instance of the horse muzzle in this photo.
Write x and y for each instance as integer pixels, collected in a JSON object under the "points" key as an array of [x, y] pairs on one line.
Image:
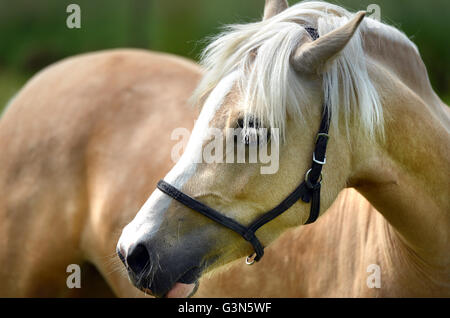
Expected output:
{"points": [[164, 272]]}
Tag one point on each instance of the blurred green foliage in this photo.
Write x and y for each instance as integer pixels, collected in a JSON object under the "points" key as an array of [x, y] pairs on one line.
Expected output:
{"points": [[33, 33]]}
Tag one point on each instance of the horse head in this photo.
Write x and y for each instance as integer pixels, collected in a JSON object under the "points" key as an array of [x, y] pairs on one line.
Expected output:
{"points": [[267, 86]]}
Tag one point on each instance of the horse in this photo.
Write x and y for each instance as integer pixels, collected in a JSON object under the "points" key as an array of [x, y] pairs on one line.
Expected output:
{"points": [[44, 228], [321, 82], [83, 131], [40, 240]]}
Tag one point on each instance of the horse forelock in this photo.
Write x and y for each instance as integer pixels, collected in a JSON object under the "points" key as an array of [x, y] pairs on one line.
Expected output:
{"points": [[270, 87]]}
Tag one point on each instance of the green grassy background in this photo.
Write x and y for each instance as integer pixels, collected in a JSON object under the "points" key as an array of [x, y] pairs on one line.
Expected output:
{"points": [[33, 33]]}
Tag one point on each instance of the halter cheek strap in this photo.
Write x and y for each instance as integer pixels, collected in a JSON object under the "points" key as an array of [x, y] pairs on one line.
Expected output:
{"points": [[307, 191]]}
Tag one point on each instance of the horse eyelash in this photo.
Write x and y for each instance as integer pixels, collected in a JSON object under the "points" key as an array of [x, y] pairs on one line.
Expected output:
{"points": [[252, 123]]}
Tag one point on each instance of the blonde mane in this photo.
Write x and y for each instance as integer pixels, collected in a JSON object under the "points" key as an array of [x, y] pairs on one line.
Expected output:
{"points": [[271, 88]]}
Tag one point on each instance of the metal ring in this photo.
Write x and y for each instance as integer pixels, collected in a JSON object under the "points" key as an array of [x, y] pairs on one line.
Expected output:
{"points": [[307, 175], [250, 259], [322, 135]]}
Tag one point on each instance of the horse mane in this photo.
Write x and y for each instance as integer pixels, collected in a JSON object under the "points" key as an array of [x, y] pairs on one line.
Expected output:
{"points": [[271, 88]]}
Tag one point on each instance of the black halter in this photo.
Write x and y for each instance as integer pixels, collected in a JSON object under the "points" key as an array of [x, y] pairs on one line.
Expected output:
{"points": [[307, 191]]}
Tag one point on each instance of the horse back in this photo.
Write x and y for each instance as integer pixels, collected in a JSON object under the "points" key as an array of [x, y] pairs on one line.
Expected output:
{"points": [[66, 142]]}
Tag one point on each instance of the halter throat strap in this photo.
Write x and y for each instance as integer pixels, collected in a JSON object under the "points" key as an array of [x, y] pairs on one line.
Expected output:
{"points": [[308, 191]]}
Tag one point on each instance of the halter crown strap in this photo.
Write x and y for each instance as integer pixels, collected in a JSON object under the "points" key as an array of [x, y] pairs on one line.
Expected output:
{"points": [[307, 191]]}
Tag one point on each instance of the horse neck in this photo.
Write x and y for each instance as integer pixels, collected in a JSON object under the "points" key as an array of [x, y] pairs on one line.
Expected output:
{"points": [[406, 176], [392, 50]]}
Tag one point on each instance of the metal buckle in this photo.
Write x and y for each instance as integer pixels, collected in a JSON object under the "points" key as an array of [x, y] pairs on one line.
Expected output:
{"points": [[318, 161], [250, 259], [314, 153]]}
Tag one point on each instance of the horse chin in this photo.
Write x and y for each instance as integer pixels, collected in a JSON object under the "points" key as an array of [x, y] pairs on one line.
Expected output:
{"points": [[187, 285], [182, 290]]}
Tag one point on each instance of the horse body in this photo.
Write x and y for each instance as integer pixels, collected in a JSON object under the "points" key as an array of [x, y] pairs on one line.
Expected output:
{"points": [[67, 150]]}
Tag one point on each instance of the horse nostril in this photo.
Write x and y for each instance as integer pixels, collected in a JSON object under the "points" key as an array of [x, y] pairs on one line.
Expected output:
{"points": [[138, 258]]}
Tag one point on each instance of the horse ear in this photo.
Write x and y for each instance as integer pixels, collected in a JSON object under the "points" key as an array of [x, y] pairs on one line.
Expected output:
{"points": [[311, 56], [273, 7]]}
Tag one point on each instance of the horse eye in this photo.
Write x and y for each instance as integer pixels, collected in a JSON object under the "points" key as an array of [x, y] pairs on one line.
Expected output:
{"points": [[255, 128], [240, 123], [252, 122]]}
